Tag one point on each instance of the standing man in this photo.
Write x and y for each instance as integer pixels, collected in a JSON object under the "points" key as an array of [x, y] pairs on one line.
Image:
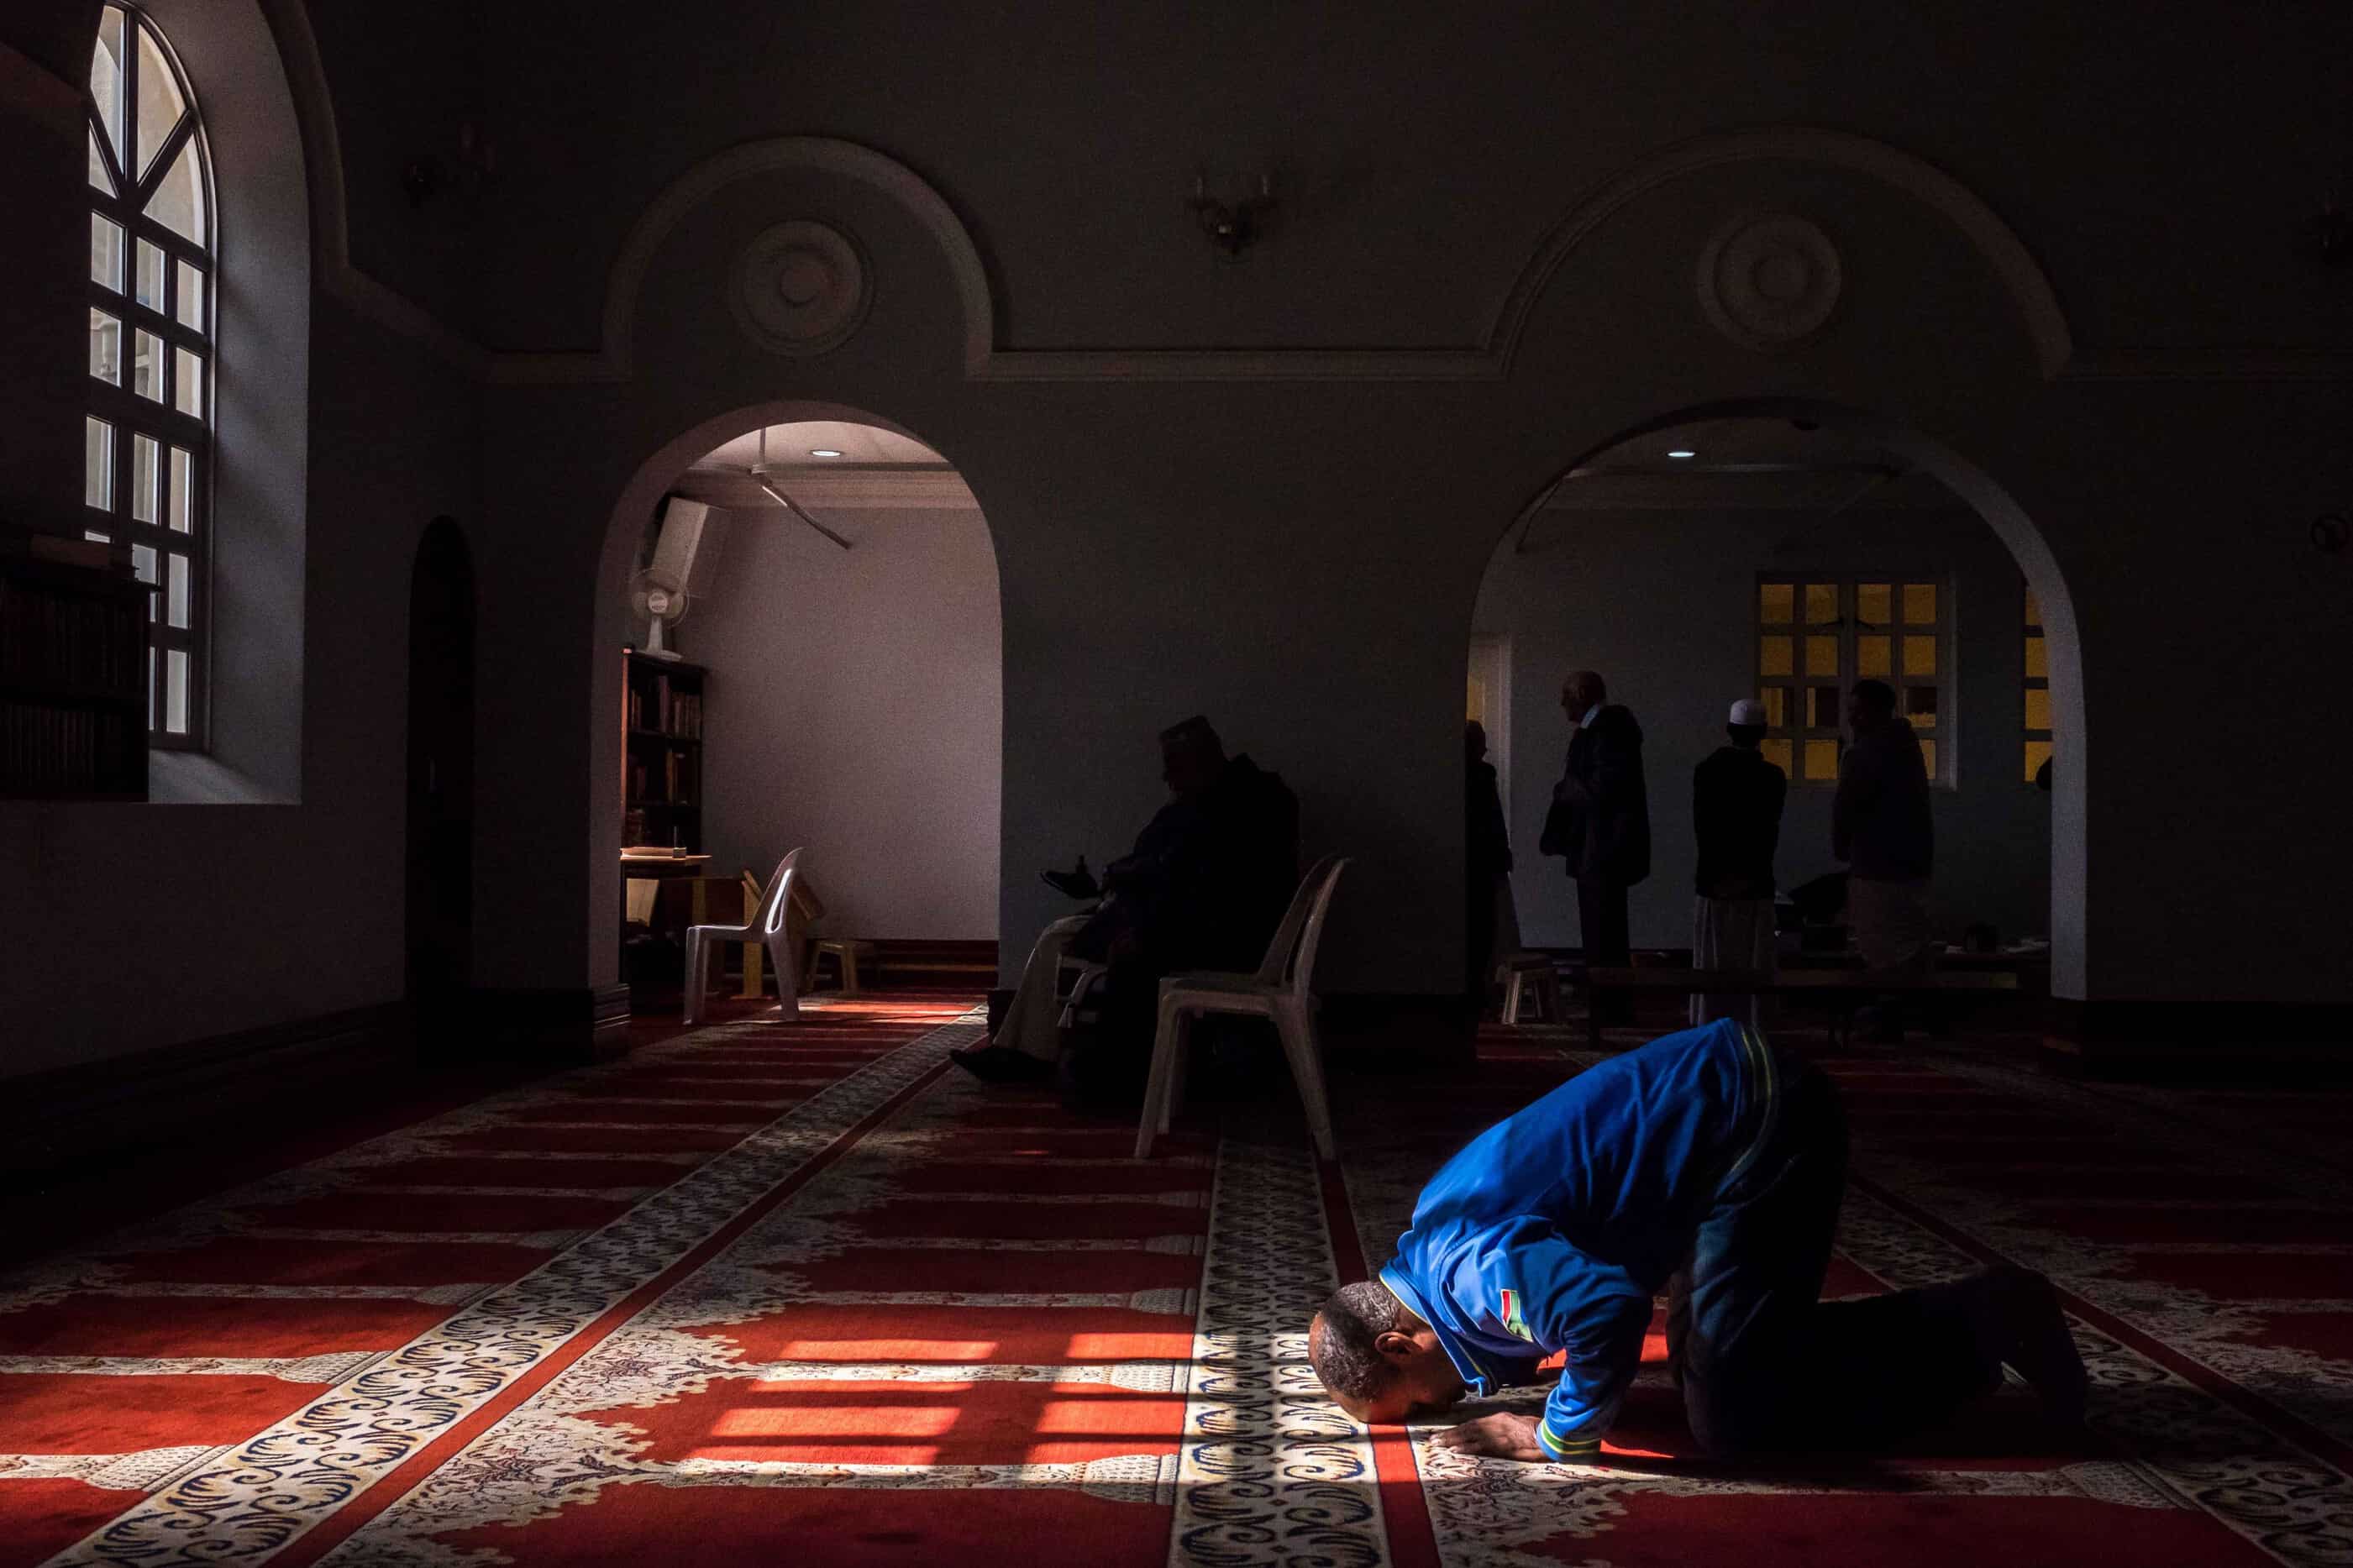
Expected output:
{"points": [[1736, 797], [1880, 827], [1600, 822], [1487, 851]]}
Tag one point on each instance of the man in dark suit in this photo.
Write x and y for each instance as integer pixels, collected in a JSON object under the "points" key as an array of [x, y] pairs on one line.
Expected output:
{"points": [[1600, 820], [1487, 846]]}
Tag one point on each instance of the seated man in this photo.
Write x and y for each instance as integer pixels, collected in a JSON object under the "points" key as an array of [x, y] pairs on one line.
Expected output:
{"points": [[1711, 1157], [1204, 888]]}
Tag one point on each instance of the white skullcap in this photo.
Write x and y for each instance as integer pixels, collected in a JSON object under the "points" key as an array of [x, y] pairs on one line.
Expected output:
{"points": [[1748, 710]]}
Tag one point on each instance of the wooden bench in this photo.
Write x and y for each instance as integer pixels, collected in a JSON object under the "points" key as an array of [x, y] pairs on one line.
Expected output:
{"points": [[1844, 989]]}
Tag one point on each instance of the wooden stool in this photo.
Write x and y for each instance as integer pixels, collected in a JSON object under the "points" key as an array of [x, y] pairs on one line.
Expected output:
{"points": [[846, 954], [1521, 973]]}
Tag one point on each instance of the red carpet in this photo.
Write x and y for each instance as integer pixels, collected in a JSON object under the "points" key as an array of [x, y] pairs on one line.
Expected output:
{"points": [[800, 1293], [2212, 1283]]}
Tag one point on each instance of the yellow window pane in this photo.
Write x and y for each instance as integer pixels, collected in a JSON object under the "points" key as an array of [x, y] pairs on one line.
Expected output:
{"points": [[1777, 752], [2037, 754], [1919, 656], [2033, 610], [2038, 662], [1776, 656], [1821, 656], [1920, 706], [1928, 756], [1821, 759], [1474, 700], [1875, 658], [2037, 708], [1919, 604], [1775, 602], [1822, 708], [1822, 603], [1874, 602], [1775, 699]]}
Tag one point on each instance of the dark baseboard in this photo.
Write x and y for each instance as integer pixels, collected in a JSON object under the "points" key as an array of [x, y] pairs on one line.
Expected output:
{"points": [[2124, 1037], [555, 1024], [70, 1115]]}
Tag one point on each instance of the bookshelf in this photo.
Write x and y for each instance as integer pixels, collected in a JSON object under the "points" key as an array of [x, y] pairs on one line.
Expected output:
{"points": [[73, 673], [661, 752]]}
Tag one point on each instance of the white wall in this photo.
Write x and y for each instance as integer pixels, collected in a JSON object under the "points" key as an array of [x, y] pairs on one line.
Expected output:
{"points": [[855, 705], [1288, 544], [1663, 602]]}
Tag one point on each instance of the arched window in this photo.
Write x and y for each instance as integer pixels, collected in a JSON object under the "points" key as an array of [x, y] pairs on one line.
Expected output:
{"points": [[148, 444]]}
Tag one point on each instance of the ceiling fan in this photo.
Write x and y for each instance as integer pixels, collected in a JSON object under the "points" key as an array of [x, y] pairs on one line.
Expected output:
{"points": [[763, 476]]}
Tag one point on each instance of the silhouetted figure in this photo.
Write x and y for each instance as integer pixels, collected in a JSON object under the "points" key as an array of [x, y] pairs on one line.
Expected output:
{"points": [[1880, 825], [1487, 854], [1600, 821], [1737, 800], [1204, 888]]}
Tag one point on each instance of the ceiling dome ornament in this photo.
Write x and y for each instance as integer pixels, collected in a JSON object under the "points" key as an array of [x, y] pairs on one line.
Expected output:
{"points": [[1769, 283], [800, 288]]}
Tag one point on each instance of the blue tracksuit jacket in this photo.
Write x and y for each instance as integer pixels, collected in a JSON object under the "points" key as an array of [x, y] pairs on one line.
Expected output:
{"points": [[1553, 1229]]}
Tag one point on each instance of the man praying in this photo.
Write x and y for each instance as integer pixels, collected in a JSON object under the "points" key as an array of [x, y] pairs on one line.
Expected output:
{"points": [[1711, 1159]]}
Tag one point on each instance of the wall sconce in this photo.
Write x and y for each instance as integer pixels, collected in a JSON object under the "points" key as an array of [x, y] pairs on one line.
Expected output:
{"points": [[1233, 224]]}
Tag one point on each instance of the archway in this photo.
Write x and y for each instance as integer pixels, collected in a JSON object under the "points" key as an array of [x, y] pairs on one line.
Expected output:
{"points": [[841, 649], [1792, 496], [440, 853]]}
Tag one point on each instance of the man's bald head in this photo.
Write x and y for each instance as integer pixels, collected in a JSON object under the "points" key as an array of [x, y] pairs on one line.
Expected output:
{"points": [[1581, 690]]}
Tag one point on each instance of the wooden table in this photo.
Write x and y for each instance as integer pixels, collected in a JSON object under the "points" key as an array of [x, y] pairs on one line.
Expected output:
{"points": [[644, 865]]}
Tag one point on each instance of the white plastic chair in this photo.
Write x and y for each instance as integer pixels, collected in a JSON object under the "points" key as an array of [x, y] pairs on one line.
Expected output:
{"points": [[767, 929], [1278, 991]]}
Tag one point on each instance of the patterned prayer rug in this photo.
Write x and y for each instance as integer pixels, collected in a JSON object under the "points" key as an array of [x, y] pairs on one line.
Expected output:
{"points": [[765, 1290], [2207, 1269]]}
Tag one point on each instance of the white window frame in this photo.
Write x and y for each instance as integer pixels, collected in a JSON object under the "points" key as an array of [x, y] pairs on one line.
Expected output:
{"points": [[172, 545]]}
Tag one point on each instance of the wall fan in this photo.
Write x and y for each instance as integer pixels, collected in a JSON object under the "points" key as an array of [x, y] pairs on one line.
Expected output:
{"points": [[661, 598]]}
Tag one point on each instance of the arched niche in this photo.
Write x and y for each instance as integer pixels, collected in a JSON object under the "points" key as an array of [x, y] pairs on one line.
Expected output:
{"points": [[2012, 524], [625, 531]]}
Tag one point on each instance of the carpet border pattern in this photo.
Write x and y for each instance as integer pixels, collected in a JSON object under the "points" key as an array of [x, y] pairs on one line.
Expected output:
{"points": [[1272, 1471], [264, 1494]]}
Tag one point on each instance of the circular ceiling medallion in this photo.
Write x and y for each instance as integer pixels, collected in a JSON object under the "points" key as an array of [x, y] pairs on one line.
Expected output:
{"points": [[800, 288], [1769, 282]]}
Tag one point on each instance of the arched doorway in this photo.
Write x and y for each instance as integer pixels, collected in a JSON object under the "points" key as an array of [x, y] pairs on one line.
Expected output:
{"points": [[440, 853], [840, 641], [1780, 549]]}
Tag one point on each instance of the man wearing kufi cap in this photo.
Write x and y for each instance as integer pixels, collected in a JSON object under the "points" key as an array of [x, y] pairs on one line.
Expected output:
{"points": [[1736, 798]]}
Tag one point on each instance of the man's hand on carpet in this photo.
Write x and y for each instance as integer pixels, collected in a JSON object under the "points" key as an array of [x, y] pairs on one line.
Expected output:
{"points": [[1502, 1435]]}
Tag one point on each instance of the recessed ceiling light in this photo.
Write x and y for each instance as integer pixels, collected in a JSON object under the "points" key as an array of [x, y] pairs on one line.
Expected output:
{"points": [[1682, 454], [823, 452]]}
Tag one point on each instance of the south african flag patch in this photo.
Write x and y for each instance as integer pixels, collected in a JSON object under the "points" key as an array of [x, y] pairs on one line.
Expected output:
{"points": [[1514, 1324]]}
